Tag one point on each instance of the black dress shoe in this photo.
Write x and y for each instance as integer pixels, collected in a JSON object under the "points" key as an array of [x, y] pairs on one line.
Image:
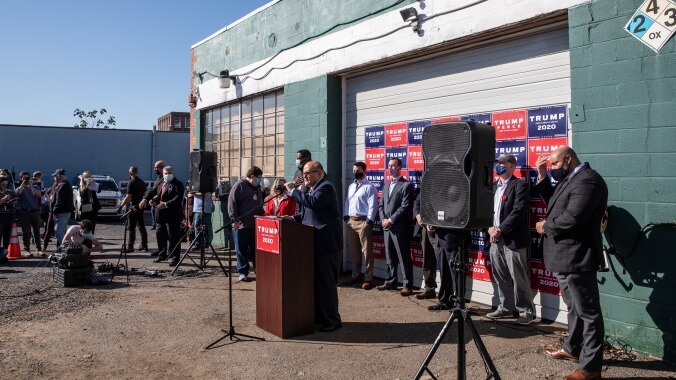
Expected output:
{"points": [[156, 253], [329, 328], [438, 307], [143, 248], [173, 263], [159, 259]]}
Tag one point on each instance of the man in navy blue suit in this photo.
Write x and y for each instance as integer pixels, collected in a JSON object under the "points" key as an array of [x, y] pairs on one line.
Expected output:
{"points": [[320, 209]]}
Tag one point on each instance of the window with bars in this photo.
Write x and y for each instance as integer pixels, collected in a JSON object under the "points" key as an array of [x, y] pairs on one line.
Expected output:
{"points": [[247, 133]]}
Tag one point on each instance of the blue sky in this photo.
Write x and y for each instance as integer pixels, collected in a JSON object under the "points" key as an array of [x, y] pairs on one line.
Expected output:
{"points": [[130, 57]]}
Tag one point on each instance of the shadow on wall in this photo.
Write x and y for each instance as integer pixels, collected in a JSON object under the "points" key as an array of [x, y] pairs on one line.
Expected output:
{"points": [[647, 254]]}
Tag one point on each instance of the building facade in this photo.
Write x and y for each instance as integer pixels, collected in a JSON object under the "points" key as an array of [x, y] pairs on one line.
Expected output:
{"points": [[359, 81], [174, 122]]}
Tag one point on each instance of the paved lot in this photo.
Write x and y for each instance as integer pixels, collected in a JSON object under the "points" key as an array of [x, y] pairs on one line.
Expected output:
{"points": [[158, 327]]}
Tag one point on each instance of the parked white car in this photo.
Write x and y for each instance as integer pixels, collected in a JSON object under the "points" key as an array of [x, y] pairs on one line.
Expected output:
{"points": [[109, 196]]}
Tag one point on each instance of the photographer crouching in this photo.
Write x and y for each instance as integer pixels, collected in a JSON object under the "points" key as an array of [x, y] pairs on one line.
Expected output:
{"points": [[82, 235]]}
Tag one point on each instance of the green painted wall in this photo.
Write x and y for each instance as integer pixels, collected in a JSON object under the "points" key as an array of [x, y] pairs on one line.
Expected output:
{"points": [[313, 121], [281, 26], [624, 124]]}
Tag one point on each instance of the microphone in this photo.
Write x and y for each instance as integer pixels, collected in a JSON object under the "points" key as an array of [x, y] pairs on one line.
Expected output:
{"points": [[280, 188]]}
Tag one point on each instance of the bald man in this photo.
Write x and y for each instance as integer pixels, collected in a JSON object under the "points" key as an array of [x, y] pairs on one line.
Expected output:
{"points": [[320, 209], [159, 180], [573, 249]]}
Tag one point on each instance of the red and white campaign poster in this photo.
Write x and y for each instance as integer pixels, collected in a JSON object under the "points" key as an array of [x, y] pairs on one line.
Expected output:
{"points": [[379, 248], [543, 280], [417, 254], [447, 119], [479, 266], [415, 158], [375, 158], [510, 125], [538, 211], [267, 234], [396, 134], [544, 146]]}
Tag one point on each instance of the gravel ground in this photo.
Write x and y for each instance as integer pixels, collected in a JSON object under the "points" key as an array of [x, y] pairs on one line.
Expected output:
{"points": [[158, 327]]}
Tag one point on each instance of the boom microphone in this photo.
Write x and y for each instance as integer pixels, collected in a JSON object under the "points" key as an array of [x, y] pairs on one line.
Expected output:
{"points": [[280, 188]]}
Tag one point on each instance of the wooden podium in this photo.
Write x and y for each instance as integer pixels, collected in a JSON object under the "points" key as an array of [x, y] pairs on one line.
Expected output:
{"points": [[284, 277]]}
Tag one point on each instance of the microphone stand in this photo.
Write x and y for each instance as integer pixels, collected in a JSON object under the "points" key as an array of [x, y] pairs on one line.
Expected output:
{"points": [[123, 249], [230, 332]]}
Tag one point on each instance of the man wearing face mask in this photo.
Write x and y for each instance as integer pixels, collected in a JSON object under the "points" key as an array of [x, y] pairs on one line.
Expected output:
{"points": [[397, 228], [167, 197], [135, 192], [303, 156], [158, 167], [361, 210], [244, 203], [572, 248], [509, 240]]}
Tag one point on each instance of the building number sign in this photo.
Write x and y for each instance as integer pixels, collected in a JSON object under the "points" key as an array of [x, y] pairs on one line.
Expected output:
{"points": [[654, 23]]}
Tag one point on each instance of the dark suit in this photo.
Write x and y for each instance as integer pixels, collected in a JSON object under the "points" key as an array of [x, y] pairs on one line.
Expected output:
{"points": [[320, 209], [398, 237], [168, 219], [428, 240], [572, 248], [509, 252]]}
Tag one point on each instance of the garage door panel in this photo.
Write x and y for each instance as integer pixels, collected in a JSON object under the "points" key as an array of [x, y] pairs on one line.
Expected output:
{"points": [[531, 71]]}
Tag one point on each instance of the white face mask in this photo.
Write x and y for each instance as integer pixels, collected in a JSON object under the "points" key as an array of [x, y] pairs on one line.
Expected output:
{"points": [[168, 177]]}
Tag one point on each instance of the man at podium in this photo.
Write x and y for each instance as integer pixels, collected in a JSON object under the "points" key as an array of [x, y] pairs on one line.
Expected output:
{"points": [[320, 209]]}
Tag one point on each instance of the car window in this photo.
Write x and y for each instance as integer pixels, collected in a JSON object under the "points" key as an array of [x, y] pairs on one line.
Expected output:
{"points": [[106, 185]]}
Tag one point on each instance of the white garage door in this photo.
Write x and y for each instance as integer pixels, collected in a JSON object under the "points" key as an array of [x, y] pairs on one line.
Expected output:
{"points": [[532, 71]]}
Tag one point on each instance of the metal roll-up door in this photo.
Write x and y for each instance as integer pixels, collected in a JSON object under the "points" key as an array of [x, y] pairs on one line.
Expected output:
{"points": [[525, 72]]}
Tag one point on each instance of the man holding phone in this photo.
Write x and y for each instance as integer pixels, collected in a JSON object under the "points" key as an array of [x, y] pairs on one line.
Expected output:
{"points": [[29, 211]]}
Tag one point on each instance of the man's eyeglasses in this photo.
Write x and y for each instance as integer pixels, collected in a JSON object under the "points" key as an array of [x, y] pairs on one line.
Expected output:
{"points": [[310, 172]]}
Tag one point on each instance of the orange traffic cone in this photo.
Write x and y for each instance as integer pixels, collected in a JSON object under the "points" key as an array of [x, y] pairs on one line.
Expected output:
{"points": [[14, 249]]}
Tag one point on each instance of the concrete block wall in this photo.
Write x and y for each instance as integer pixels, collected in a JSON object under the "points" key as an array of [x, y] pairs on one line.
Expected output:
{"points": [[625, 97]]}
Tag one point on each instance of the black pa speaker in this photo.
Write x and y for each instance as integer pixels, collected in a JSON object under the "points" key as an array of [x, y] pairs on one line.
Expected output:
{"points": [[457, 187], [203, 171]]}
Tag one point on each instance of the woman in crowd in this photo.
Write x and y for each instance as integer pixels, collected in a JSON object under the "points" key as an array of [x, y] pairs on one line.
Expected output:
{"points": [[281, 204], [89, 202]]}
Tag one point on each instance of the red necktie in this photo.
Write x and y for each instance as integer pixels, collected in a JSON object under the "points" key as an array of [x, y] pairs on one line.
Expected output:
{"points": [[164, 188]]}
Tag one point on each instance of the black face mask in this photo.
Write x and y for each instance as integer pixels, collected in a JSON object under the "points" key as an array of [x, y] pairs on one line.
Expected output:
{"points": [[358, 175], [559, 174], [158, 172]]}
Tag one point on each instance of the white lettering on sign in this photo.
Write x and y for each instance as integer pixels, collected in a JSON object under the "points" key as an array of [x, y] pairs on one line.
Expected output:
{"points": [[397, 154], [509, 123], [550, 117], [544, 148], [510, 150], [267, 230], [415, 154], [396, 131], [543, 272], [374, 134], [416, 129], [538, 210], [374, 155]]}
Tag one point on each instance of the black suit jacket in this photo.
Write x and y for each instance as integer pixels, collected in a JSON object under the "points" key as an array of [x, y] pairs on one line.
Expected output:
{"points": [[321, 210], [395, 206], [514, 214], [573, 241], [173, 197]]}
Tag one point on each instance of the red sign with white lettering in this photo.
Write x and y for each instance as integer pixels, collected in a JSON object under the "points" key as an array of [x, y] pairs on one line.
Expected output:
{"points": [[415, 158], [538, 211], [479, 266], [378, 248], [544, 146], [417, 254], [543, 280], [267, 234], [396, 134], [446, 119], [375, 158], [510, 125]]}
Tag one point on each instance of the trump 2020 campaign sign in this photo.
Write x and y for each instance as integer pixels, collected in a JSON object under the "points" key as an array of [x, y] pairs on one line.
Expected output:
{"points": [[267, 234]]}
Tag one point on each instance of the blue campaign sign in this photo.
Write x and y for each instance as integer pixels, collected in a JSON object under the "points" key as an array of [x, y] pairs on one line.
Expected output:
{"points": [[483, 118], [532, 180], [517, 148], [480, 241], [401, 152], [548, 121], [415, 177], [415, 131], [377, 178], [374, 137]]}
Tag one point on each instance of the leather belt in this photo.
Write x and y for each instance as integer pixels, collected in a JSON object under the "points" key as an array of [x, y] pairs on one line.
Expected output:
{"points": [[363, 217]]}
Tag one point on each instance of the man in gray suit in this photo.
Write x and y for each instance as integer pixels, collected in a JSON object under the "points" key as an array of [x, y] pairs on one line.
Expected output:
{"points": [[572, 248], [397, 196]]}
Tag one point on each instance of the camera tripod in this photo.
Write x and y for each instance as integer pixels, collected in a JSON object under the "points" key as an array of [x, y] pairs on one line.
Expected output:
{"points": [[463, 316], [123, 249], [202, 240]]}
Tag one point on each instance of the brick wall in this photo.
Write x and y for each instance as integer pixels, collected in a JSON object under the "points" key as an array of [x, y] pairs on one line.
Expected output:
{"points": [[624, 123]]}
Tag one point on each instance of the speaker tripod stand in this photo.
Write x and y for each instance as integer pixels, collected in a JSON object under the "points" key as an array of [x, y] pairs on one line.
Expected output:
{"points": [[464, 318]]}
